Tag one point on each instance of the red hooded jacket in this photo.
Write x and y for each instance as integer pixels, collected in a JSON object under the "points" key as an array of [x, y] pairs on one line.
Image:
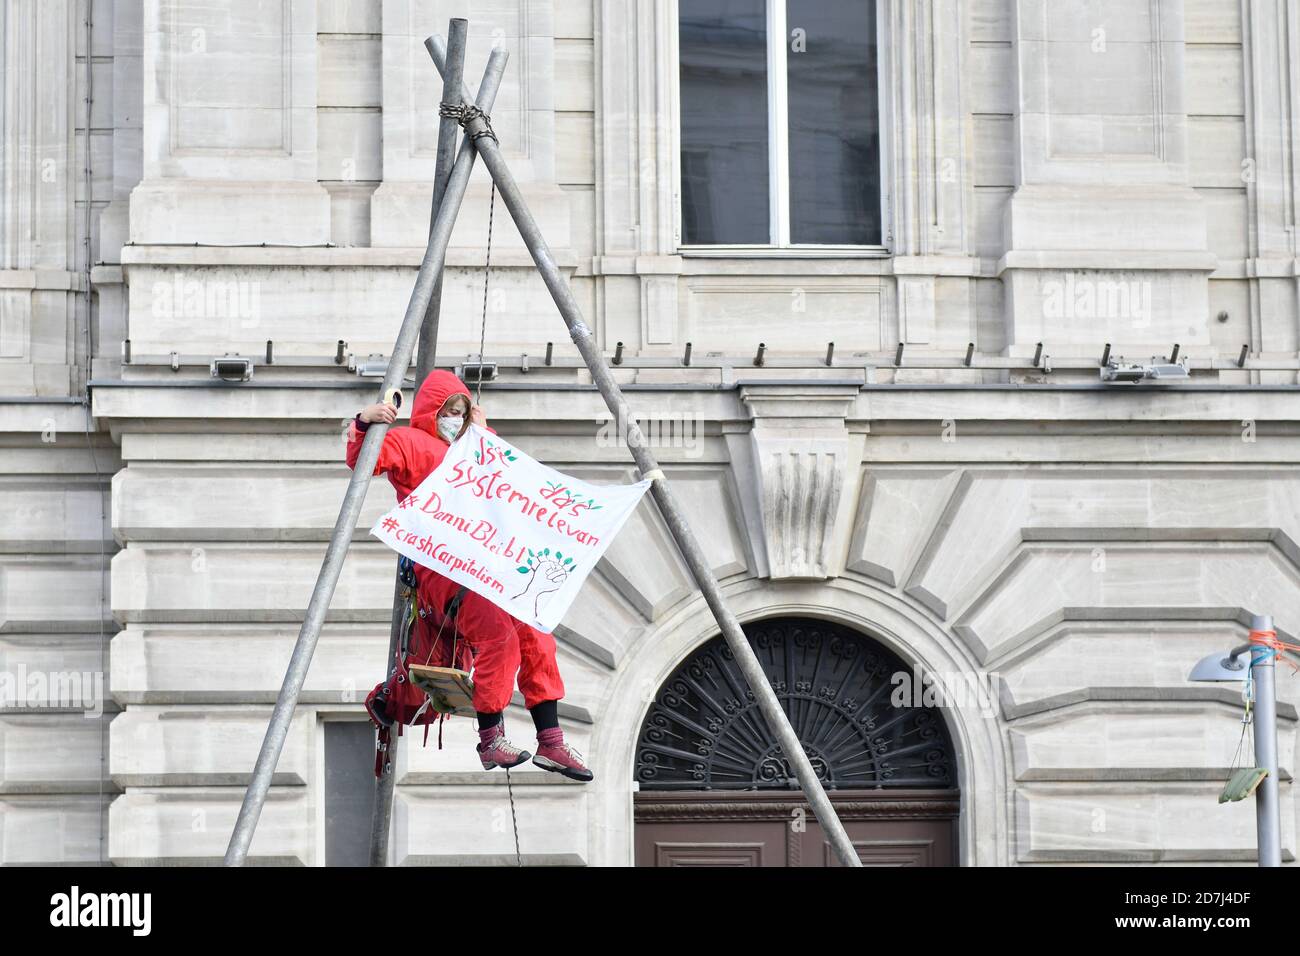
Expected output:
{"points": [[409, 455]]}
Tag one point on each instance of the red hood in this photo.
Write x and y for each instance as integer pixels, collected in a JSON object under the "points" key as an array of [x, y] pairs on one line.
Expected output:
{"points": [[437, 388]]}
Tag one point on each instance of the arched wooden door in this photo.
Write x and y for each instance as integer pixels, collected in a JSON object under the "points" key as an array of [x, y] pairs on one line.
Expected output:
{"points": [[715, 788]]}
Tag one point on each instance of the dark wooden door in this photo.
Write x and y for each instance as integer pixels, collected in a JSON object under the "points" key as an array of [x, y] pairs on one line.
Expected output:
{"points": [[751, 828]]}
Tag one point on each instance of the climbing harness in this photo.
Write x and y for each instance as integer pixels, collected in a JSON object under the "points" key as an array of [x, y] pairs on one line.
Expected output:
{"points": [[390, 702]]}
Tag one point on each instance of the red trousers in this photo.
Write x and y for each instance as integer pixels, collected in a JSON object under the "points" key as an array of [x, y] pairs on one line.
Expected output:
{"points": [[504, 647]]}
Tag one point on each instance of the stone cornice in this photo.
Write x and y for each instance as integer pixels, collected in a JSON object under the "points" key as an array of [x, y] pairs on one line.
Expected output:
{"points": [[812, 400], [1000, 409], [273, 256]]}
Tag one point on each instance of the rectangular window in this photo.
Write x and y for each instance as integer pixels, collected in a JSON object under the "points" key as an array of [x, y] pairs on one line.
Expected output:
{"points": [[780, 123], [725, 104], [349, 791]]}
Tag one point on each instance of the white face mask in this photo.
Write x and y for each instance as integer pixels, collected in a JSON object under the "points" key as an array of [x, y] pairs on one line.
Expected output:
{"points": [[449, 427]]}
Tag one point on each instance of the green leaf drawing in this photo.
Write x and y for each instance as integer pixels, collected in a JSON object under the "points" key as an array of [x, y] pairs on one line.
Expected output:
{"points": [[522, 570]]}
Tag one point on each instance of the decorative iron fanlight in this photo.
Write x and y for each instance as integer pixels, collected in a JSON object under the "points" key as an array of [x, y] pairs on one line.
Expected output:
{"points": [[705, 731]]}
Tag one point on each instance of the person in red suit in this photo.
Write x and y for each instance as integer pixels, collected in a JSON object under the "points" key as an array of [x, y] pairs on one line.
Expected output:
{"points": [[503, 647]]}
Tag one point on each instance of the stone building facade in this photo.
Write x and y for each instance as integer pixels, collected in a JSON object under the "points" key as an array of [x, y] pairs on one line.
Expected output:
{"points": [[950, 487]]}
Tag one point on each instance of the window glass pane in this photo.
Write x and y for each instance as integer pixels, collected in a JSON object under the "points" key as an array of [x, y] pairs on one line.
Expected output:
{"points": [[723, 49], [349, 791], [834, 122]]}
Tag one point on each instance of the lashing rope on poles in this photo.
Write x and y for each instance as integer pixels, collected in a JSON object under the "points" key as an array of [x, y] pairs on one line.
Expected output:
{"points": [[1269, 643]]}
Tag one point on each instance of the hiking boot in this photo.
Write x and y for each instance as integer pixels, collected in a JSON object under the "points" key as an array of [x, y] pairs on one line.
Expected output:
{"points": [[500, 752], [561, 758]]}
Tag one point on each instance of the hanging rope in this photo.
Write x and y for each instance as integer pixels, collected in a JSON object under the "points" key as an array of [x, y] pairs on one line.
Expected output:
{"points": [[478, 400], [1248, 696], [510, 790], [487, 271], [464, 114]]}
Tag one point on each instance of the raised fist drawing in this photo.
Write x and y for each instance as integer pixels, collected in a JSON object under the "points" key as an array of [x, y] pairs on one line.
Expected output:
{"points": [[546, 574]]}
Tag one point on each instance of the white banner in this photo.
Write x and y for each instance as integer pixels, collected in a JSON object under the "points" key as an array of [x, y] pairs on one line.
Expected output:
{"points": [[508, 527]]}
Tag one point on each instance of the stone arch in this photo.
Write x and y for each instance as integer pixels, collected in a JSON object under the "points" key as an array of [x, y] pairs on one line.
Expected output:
{"points": [[903, 627]]}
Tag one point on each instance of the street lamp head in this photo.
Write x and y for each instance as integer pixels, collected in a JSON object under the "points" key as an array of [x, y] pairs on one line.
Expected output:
{"points": [[1234, 664], [1222, 666]]}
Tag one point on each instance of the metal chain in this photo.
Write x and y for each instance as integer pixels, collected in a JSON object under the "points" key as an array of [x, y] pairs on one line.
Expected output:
{"points": [[466, 113]]}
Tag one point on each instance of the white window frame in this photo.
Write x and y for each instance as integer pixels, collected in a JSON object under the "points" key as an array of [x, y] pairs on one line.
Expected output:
{"points": [[779, 152]]}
